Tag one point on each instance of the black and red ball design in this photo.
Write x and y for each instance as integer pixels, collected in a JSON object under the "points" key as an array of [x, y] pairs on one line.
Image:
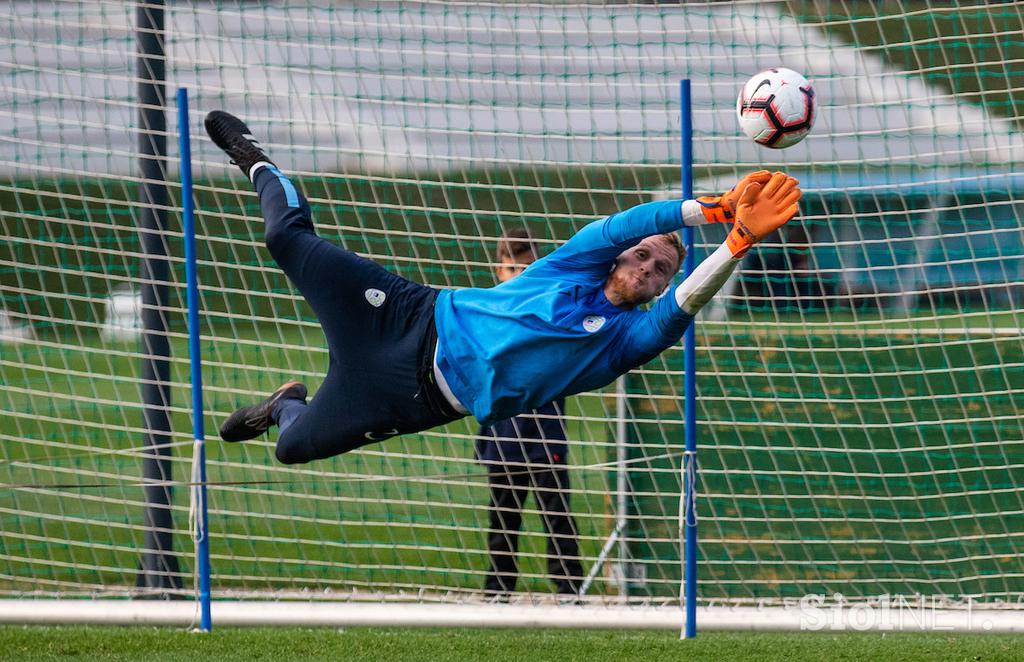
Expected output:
{"points": [[776, 108]]}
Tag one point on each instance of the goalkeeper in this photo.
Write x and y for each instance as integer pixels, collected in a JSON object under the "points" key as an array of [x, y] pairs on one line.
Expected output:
{"points": [[405, 357]]}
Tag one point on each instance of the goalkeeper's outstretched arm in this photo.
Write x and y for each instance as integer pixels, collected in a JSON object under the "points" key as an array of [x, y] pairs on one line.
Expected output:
{"points": [[761, 208], [591, 250]]}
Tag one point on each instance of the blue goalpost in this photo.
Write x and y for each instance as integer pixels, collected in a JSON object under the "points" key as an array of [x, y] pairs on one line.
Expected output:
{"points": [[198, 504], [197, 483], [688, 507]]}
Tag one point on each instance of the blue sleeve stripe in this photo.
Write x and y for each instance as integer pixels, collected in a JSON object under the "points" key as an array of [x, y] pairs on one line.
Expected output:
{"points": [[291, 195]]}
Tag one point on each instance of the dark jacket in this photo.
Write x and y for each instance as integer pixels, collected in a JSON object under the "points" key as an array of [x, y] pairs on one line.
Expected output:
{"points": [[537, 437]]}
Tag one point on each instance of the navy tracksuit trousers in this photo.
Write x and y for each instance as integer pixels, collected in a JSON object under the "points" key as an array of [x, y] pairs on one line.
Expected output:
{"points": [[510, 484], [380, 335]]}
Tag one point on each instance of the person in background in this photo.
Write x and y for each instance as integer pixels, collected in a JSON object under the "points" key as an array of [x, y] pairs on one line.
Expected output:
{"points": [[523, 454]]}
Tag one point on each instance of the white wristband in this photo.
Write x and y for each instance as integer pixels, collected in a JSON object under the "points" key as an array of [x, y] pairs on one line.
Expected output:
{"points": [[692, 215]]}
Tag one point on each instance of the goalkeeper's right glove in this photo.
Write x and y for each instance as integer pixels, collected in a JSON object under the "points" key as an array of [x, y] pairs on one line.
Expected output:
{"points": [[722, 208], [761, 210]]}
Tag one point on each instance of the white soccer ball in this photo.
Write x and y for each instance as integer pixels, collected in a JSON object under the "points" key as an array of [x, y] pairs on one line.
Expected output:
{"points": [[776, 108]]}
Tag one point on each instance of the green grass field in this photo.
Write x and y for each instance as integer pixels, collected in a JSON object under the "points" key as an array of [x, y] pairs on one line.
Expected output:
{"points": [[382, 645]]}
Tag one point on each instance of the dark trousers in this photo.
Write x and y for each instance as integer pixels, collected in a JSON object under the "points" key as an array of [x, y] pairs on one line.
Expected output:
{"points": [[510, 484], [380, 333]]}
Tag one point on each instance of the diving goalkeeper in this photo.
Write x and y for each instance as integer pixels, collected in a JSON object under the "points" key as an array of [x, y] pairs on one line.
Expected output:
{"points": [[405, 357]]}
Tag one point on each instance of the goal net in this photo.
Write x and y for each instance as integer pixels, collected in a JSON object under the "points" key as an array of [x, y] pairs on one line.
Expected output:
{"points": [[860, 380]]}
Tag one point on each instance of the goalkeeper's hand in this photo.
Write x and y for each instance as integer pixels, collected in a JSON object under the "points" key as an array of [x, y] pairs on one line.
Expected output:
{"points": [[762, 209], [722, 209]]}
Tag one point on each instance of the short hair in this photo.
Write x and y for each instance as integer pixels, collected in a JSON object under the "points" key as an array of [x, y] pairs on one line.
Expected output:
{"points": [[516, 243], [673, 239]]}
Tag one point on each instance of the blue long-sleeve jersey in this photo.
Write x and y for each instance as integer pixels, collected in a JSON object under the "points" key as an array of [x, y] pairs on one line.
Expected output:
{"points": [[551, 332]]}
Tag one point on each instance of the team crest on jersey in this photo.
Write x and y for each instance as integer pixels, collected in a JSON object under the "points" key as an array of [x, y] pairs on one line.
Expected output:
{"points": [[375, 297], [592, 323]]}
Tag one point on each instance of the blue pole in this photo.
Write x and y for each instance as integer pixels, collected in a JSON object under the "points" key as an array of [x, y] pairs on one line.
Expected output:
{"points": [[199, 456], [690, 385]]}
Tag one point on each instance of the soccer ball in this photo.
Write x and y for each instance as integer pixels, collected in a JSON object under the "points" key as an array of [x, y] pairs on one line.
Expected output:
{"points": [[776, 108]]}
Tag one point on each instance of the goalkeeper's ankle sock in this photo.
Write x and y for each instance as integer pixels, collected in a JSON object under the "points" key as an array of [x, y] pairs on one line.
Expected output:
{"points": [[256, 166], [234, 137]]}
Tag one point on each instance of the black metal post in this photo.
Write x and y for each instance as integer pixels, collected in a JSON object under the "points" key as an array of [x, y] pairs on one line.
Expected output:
{"points": [[158, 566]]}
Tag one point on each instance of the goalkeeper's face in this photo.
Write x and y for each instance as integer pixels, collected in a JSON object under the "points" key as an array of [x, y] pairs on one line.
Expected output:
{"points": [[642, 272]]}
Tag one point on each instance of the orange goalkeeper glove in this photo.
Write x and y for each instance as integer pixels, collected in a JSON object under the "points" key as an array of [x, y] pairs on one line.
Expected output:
{"points": [[761, 210], [722, 208]]}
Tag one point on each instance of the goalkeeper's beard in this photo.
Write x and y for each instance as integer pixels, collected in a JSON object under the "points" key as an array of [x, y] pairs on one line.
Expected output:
{"points": [[625, 291]]}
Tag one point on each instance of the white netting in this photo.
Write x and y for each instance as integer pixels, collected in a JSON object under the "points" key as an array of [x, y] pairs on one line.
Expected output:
{"points": [[860, 380]]}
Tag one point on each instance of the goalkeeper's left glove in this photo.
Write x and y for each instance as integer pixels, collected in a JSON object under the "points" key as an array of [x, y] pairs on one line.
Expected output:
{"points": [[722, 208], [763, 209]]}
